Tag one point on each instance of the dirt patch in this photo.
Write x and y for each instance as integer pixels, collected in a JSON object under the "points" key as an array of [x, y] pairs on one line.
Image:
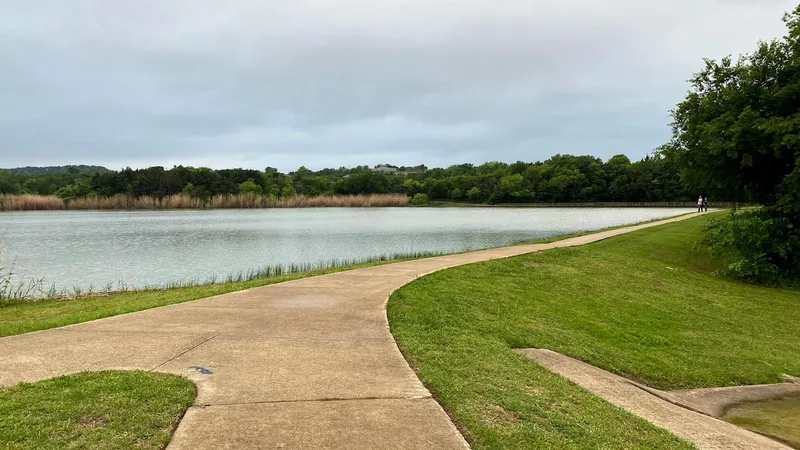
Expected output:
{"points": [[533, 391], [498, 417], [92, 422]]}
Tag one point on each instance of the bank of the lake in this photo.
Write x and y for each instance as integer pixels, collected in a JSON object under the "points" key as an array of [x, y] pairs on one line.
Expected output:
{"points": [[109, 250], [644, 305], [24, 316]]}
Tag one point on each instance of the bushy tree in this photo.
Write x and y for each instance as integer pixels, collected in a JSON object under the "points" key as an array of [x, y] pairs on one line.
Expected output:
{"points": [[420, 200], [80, 188], [363, 183], [8, 183], [288, 191], [474, 195], [249, 186], [737, 134]]}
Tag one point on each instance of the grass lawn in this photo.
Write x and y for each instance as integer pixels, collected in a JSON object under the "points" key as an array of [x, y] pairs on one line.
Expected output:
{"points": [[94, 410], [643, 305], [23, 316]]}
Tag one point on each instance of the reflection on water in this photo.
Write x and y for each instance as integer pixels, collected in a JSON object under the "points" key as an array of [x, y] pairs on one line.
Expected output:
{"points": [[154, 247]]}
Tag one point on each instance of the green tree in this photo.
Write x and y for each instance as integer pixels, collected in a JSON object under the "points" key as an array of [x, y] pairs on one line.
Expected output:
{"points": [[411, 186], [436, 189], [515, 188], [367, 182], [474, 195], [8, 183], [80, 188], [420, 200], [250, 186], [737, 135], [288, 191]]}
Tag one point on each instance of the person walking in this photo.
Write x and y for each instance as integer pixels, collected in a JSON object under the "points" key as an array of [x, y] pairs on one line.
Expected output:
{"points": [[705, 203], [700, 204]]}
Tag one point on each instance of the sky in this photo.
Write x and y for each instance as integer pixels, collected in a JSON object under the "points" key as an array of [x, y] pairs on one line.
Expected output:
{"points": [[322, 83]]}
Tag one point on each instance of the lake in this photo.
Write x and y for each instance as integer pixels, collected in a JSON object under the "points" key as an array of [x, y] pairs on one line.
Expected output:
{"points": [[138, 248]]}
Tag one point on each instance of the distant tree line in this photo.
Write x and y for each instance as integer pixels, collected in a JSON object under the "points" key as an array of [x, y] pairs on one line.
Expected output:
{"points": [[562, 178], [29, 170]]}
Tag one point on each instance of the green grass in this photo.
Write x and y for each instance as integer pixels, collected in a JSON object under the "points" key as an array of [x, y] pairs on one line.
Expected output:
{"points": [[643, 305], [94, 410], [23, 316], [444, 204]]}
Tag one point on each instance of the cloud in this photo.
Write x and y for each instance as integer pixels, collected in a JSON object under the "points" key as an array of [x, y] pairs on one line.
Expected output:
{"points": [[329, 83]]}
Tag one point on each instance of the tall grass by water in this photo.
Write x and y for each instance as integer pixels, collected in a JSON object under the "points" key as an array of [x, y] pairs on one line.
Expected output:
{"points": [[17, 286], [27, 202]]}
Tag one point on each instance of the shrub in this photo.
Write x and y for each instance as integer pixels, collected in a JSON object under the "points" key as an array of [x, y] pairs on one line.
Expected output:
{"points": [[754, 246], [421, 200]]}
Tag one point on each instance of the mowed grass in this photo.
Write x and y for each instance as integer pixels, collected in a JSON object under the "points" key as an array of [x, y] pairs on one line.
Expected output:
{"points": [[643, 305], [94, 410], [23, 316]]}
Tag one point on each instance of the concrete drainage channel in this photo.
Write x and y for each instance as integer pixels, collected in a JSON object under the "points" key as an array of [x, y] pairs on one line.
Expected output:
{"points": [[693, 415]]}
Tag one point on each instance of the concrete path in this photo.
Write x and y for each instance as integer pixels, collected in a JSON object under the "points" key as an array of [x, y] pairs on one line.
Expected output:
{"points": [[304, 364], [657, 407]]}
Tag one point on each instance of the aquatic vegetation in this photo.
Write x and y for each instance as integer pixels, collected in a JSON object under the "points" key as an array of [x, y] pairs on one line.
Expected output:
{"points": [[16, 286], [27, 202]]}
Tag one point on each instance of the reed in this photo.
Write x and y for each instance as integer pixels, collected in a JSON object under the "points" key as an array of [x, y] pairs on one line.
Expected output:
{"points": [[29, 202], [15, 286]]}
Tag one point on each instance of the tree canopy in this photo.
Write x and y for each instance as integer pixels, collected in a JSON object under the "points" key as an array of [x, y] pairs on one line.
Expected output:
{"points": [[737, 133], [562, 178]]}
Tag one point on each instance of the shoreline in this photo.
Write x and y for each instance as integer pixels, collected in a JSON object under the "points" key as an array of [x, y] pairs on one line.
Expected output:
{"points": [[36, 289], [677, 205], [33, 203]]}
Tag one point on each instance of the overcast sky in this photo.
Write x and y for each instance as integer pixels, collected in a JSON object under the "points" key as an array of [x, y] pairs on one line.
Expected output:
{"points": [[256, 83]]}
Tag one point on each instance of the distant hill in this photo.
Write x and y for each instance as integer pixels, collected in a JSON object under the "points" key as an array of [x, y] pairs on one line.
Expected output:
{"points": [[33, 171]]}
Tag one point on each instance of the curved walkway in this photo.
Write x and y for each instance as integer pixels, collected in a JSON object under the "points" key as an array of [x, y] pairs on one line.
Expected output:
{"points": [[303, 364]]}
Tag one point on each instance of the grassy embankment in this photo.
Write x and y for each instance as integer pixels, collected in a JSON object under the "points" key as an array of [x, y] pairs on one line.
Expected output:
{"points": [[23, 315], [643, 305], [180, 201], [94, 410]]}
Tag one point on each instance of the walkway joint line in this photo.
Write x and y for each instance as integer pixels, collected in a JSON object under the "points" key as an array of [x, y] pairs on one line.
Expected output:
{"points": [[181, 354], [313, 400]]}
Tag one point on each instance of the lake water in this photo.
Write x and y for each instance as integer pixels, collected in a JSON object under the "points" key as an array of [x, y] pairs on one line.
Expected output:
{"points": [[82, 249]]}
